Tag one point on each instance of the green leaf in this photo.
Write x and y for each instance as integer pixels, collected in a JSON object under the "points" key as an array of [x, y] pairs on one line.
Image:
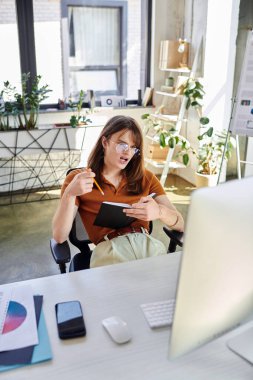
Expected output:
{"points": [[162, 140], [185, 159], [73, 121], [145, 116], [228, 154], [210, 132], [188, 103], [197, 94], [204, 120], [172, 142], [199, 86]]}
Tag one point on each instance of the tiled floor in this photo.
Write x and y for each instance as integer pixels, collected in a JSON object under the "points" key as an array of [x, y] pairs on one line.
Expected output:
{"points": [[26, 230]]}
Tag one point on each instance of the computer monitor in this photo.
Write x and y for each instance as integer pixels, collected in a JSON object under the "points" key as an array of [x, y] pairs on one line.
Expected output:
{"points": [[215, 285]]}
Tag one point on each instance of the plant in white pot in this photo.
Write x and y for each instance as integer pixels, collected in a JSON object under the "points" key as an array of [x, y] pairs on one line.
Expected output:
{"points": [[21, 110], [29, 100], [211, 143], [209, 153]]}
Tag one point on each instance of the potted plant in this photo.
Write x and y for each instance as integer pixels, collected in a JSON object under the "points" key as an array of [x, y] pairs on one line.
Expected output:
{"points": [[22, 108], [212, 143], [193, 90], [209, 153], [8, 110], [28, 102], [77, 118]]}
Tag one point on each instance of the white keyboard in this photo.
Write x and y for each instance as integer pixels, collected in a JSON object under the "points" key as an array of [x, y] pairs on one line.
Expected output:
{"points": [[159, 314]]}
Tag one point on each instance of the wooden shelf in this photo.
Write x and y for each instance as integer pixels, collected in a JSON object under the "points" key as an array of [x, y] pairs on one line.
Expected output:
{"points": [[178, 120], [179, 70], [160, 166], [170, 94], [173, 118], [161, 163], [154, 139]]}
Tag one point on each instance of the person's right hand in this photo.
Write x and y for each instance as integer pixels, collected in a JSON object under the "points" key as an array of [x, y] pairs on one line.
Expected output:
{"points": [[82, 183]]}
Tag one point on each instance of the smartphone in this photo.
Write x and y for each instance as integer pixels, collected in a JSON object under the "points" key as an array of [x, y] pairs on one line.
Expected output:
{"points": [[70, 321]]}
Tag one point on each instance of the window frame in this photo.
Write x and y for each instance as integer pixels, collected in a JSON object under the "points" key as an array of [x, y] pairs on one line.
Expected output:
{"points": [[25, 22], [26, 38], [122, 75]]}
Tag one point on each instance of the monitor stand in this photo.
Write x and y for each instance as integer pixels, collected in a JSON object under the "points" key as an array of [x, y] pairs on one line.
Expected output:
{"points": [[242, 344]]}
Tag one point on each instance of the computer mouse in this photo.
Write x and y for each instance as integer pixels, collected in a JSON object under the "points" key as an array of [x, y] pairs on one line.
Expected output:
{"points": [[117, 329]]}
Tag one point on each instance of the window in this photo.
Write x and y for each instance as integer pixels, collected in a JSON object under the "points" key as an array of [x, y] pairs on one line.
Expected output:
{"points": [[10, 59], [94, 49], [102, 43], [47, 32], [99, 45]]}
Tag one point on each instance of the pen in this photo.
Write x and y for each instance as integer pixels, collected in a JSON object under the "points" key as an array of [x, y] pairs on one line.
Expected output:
{"points": [[99, 188]]}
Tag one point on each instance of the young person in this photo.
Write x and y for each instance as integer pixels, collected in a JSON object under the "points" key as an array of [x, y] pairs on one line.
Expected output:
{"points": [[118, 165]]}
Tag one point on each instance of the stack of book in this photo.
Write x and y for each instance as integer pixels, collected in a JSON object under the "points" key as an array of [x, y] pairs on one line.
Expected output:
{"points": [[147, 98]]}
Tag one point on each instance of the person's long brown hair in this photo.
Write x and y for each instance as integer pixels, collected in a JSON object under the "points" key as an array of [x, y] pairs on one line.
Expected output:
{"points": [[134, 170]]}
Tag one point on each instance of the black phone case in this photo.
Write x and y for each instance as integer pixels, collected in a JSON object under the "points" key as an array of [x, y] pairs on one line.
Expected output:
{"points": [[71, 328]]}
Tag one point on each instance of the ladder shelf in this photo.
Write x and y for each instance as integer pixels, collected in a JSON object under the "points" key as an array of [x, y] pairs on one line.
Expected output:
{"points": [[178, 119]]}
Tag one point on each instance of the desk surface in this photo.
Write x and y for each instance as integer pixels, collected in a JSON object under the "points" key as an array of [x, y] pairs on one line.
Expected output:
{"points": [[119, 290]]}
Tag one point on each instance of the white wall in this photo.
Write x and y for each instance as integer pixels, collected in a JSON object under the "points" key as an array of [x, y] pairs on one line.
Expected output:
{"points": [[220, 50]]}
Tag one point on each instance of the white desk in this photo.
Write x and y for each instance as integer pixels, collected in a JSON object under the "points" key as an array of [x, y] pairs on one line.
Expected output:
{"points": [[119, 290]]}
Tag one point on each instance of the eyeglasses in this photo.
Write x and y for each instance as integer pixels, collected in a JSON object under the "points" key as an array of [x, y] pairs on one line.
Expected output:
{"points": [[124, 147]]}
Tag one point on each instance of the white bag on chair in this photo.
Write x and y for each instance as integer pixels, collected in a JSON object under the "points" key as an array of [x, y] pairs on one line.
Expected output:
{"points": [[125, 248]]}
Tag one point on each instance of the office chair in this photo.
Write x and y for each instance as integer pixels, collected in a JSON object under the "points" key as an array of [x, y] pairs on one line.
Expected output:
{"points": [[79, 238], [62, 254], [176, 239]]}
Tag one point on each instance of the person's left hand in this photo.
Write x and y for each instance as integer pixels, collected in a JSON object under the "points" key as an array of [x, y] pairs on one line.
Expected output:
{"points": [[146, 209]]}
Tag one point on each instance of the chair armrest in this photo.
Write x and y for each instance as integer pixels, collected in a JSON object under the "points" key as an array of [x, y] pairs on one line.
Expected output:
{"points": [[61, 252], [176, 238]]}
